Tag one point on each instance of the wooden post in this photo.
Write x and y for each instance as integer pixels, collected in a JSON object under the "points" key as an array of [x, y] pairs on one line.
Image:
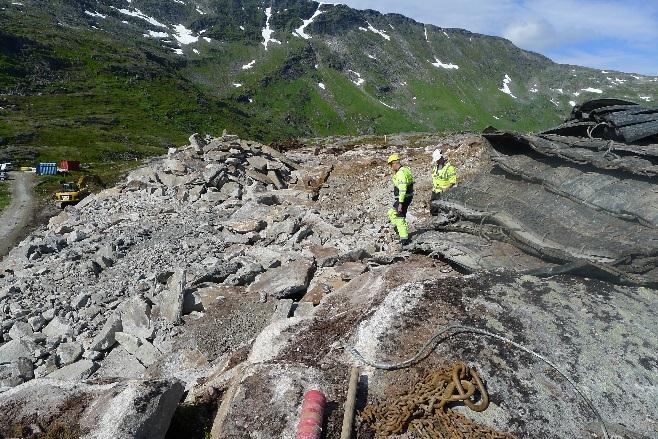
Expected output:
{"points": [[350, 402]]}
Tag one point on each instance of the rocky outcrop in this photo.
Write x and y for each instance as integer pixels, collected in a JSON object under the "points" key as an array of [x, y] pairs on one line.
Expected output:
{"points": [[388, 318], [121, 409]]}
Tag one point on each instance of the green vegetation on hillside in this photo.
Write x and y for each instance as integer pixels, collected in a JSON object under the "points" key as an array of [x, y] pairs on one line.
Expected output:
{"points": [[94, 86], [100, 99]]}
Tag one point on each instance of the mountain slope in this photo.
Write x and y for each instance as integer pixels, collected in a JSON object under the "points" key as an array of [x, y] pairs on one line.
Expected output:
{"points": [[100, 80]]}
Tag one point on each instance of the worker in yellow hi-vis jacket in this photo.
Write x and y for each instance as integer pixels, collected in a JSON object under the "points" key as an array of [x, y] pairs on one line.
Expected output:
{"points": [[403, 194], [444, 176]]}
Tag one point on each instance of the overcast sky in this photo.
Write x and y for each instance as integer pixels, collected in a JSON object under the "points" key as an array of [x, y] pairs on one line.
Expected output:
{"points": [[606, 34]]}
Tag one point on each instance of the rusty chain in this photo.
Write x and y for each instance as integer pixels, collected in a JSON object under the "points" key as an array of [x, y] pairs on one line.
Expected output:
{"points": [[443, 333], [422, 412]]}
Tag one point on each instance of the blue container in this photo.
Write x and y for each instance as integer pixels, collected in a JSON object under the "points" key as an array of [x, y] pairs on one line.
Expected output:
{"points": [[47, 169]]}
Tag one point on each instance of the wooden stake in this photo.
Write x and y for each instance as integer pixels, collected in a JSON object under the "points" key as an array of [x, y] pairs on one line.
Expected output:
{"points": [[350, 403]]}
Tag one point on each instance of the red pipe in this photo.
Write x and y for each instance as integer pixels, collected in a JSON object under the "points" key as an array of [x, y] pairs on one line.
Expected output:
{"points": [[310, 420]]}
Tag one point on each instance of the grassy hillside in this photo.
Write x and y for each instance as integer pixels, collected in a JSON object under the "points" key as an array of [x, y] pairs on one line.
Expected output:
{"points": [[112, 80]]}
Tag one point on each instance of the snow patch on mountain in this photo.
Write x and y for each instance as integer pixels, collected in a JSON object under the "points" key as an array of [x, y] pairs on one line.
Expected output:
{"points": [[322, 86], [95, 14], [249, 66], [139, 14], [505, 88], [572, 103], [267, 30], [359, 80], [448, 66], [183, 35], [300, 30], [646, 98], [154, 34], [381, 33], [592, 90]]}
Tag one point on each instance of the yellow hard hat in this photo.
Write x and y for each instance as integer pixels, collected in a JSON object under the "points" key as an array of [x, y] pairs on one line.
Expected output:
{"points": [[393, 158]]}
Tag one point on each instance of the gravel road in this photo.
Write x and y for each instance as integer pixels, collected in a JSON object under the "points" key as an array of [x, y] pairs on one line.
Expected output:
{"points": [[16, 219]]}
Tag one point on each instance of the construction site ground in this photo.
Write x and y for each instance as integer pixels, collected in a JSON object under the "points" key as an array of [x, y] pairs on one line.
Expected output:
{"points": [[560, 356], [390, 311]]}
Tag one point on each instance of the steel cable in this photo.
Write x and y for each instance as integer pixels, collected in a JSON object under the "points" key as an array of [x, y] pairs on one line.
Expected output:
{"points": [[440, 335]]}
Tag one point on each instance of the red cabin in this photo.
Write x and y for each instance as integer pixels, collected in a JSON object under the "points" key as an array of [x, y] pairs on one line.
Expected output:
{"points": [[69, 165]]}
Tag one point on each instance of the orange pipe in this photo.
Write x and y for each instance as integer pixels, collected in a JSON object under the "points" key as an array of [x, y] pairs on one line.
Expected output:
{"points": [[310, 420]]}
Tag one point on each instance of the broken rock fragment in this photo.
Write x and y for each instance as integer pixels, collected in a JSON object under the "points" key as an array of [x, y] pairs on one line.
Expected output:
{"points": [[79, 370], [171, 299], [285, 281], [16, 349], [105, 339], [68, 353], [118, 409], [120, 364], [136, 318]]}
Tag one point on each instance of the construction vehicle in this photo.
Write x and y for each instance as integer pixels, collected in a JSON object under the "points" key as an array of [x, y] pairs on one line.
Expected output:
{"points": [[74, 192]]}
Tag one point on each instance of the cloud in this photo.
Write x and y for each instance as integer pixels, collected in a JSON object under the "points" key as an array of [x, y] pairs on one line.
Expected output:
{"points": [[548, 26], [536, 34], [608, 59]]}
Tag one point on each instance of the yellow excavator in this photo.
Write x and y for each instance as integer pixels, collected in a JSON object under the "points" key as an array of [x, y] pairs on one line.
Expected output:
{"points": [[73, 192]]}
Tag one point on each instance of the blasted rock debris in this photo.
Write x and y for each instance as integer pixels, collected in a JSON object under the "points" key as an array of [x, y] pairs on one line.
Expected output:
{"points": [[119, 272], [226, 279], [120, 409]]}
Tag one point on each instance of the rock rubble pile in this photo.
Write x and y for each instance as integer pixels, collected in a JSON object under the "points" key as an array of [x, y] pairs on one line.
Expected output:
{"points": [[100, 291], [225, 280]]}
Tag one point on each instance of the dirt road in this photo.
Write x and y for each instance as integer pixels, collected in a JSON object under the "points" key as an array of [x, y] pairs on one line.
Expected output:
{"points": [[20, 215]]}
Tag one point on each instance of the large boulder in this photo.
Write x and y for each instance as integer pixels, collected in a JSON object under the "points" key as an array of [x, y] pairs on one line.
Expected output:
{"points": [[113, 409], [57, 328], [286, 281], [120, 364], [15, 349]]}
